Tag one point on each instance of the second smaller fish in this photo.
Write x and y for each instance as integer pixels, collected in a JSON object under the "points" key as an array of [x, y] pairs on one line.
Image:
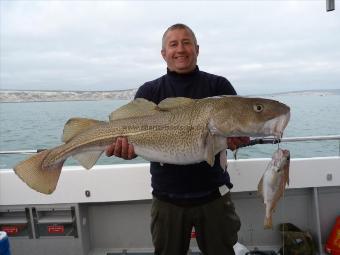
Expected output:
{"points": [[273, 183]]}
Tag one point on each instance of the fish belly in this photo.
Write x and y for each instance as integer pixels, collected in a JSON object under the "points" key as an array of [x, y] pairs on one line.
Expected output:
{"points": [[174, 141], [270, 185], [180, 158]]}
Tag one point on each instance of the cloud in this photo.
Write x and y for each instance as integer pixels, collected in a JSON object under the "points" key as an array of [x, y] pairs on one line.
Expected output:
{"points": [[106, 45]]}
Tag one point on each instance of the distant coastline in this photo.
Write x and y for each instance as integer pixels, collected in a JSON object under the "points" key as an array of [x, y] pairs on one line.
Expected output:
{"points": [[319, 92], [18, 96]]}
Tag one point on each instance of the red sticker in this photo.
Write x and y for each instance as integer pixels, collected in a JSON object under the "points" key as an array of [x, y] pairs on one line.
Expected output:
{"points": [[59, 229], [10, 230]]}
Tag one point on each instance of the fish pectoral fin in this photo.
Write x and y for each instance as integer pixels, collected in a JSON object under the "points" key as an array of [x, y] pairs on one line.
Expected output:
{"points": [[174, 102], [35, 176], [210, 150], [75, 126], [88, 159], [136, 108]]}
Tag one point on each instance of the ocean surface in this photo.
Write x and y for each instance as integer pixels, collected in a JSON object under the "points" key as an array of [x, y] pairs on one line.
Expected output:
{"points": [[39, 125]]}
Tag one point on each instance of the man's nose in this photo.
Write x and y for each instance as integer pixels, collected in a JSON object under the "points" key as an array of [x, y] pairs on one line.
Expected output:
{"points": [[180, 47]]}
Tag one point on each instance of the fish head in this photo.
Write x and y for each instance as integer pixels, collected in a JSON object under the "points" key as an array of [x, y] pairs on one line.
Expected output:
{"points": [[280, 159], [246, 116]]}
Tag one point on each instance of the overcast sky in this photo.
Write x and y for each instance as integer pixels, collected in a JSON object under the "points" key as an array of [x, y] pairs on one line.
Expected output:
{"points": [[259, 46]]}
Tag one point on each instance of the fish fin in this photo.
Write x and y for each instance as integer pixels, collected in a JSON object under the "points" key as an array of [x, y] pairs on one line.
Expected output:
{"points": [[268, 222], [210, 156], [136, 108], [88, 159], [223, 160], [174, 102], [286, 172], [75, 126], [35, 176], [260, 187]]}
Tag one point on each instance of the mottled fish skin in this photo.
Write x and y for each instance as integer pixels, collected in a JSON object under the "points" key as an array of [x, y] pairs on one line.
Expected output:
{"points": [[176, 131], [273, 183]]}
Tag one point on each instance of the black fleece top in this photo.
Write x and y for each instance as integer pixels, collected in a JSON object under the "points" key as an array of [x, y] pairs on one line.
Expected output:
{"points": [[195, 179]]}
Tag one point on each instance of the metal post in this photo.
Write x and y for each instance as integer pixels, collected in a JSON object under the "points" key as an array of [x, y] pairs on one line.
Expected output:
{"points": [[330, 5], [317, 216]]}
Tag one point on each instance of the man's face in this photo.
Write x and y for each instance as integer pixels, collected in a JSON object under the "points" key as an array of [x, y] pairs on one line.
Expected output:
{"points": [[180, 52]]}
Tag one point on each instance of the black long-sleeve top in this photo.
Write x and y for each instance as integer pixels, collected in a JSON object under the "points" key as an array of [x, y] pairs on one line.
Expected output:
{"points": [[195, 179]]}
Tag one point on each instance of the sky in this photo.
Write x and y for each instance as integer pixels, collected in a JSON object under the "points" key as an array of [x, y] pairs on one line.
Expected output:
{"points": [[259, 46]]}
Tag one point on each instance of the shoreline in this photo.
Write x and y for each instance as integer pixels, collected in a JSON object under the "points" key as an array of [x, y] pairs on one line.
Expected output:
{"points": [[31, 96], [25, 96], [56, 101]]}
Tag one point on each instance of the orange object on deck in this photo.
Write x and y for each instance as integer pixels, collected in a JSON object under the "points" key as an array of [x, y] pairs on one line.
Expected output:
{"points": [[333, 242]]}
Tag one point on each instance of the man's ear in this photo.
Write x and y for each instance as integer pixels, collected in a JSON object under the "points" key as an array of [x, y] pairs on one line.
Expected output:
{"points": [[197, 49], [163, 53]]}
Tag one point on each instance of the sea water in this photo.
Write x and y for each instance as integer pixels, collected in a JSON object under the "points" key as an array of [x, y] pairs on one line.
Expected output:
{"points": [[39, 125]]}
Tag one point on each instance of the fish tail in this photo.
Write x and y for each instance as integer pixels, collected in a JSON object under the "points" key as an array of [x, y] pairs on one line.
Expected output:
{"points": [[32, 172], [268, 222]]}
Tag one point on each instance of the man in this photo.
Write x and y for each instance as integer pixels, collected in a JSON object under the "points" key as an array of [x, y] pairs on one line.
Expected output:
{"points": [[191, 195]]}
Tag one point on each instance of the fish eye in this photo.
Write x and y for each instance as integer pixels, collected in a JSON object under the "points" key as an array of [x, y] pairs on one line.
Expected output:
{"points": [[258, 107]]}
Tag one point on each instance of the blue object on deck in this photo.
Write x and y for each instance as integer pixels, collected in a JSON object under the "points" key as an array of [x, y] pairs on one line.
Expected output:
{"points": [[4, 244]]}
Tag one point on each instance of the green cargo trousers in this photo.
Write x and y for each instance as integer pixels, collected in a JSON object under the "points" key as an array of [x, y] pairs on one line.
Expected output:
{"points": [[216, 225]]}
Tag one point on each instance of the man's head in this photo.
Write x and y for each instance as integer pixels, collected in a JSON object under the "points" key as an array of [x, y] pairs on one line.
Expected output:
{"points": [[180, 49]]}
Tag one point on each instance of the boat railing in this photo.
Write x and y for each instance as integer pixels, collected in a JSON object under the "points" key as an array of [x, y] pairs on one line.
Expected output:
{"points": [[254, 141], [295, 139]]}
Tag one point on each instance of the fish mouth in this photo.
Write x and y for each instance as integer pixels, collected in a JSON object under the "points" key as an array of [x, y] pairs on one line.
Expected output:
{"points": [[276, 125]]}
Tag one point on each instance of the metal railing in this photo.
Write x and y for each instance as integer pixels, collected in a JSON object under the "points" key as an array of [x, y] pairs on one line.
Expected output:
{"points": [[295, 139], [299, 139], [252, 142]]}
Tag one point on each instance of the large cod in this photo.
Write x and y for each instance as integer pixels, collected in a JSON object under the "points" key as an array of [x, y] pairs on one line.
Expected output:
{"points": [[176, 131]]}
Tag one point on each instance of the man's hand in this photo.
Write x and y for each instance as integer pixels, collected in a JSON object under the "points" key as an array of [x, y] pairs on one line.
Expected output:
{"points": [[121, 148], [235, 142]]}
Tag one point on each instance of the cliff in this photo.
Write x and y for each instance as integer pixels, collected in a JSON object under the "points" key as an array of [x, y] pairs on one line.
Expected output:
{"points": [[7, 96]]}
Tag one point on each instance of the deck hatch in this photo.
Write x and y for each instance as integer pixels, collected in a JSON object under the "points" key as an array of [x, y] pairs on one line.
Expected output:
{"points": [[15, 222], [55, 222]]}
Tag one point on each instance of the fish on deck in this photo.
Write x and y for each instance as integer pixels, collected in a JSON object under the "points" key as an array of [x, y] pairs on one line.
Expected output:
{"points": [[176, 131], [273, 183]]}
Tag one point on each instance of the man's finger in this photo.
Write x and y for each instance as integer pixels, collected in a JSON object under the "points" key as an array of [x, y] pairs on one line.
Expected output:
{"points": [[109, 150], [131, 152], [236, 142], [118, 148], [125, 148], [245, 139], [231, 144], [234, 145]]}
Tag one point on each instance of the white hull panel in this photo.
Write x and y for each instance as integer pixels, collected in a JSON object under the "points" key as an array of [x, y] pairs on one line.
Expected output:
{"points": [[114, 215], [128, 182]]}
